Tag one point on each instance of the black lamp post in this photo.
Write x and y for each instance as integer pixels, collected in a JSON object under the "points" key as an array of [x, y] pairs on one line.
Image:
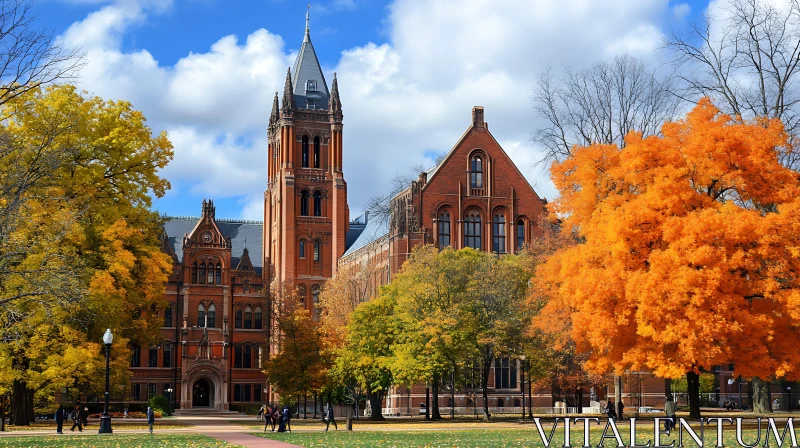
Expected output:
{"points": [[105, 420], [169, 399], [522, 386]]}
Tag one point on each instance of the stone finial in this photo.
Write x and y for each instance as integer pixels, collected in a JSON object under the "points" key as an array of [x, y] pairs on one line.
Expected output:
{"points": [[287, 105]]}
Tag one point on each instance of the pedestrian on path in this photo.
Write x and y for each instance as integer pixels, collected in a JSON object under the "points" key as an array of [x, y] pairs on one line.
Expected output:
{"points": [[151, 418], [329, 418], [260, 412], [287, 415], [60, 420], [268, 418], [76, 418], [669, 409], [85, 417]]}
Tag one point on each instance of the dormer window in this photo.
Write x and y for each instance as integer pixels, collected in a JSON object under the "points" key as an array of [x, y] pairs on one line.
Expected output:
{"points": [[311, 104], [311, 85]]}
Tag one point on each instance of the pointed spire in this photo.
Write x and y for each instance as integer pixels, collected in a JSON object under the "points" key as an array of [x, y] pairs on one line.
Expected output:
{"points": [[335, 108], [288, 97], [307, 37], [273, 117]]}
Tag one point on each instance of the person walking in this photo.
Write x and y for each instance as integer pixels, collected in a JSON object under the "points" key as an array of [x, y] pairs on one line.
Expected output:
{"points": [[329, 418], [151, 418], [669, 410], [611, 414], [85, 417], [261, 412], [287, 415], [76, 419], [60, 420], [281, 422], [267, 416]]}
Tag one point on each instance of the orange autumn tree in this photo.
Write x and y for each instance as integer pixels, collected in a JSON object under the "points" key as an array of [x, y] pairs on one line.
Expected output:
{"points": [[690, 251]]}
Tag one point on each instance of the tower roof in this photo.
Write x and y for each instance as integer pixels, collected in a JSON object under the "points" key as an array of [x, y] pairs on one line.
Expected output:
{"points": [[310, 89]]}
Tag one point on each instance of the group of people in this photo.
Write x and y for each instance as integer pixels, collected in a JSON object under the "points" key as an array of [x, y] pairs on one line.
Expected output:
{"points": [[273, 416], [79, 416], [282, 419]]}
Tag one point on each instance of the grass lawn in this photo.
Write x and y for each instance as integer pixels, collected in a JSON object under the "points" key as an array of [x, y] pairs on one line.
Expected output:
{"points": [[528, 437], [115, 440], [50, 425]]}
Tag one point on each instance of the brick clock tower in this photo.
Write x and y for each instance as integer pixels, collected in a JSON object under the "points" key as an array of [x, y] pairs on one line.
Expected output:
{"points": [[306, 216]]}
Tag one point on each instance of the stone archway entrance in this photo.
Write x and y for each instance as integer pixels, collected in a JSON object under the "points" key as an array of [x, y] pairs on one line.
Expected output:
{"points": [[202, 393]]}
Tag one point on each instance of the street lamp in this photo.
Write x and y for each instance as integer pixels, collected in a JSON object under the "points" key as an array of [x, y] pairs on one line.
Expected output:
{"points": [[522, 387], [789, 398], [105, 420], [169, 399]]}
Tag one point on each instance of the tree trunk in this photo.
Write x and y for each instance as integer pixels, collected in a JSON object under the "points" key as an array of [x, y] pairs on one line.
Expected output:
{"points": [[579, 400], [485, 388], [375, 399], [453, 395], [305, 406], [762, 404], [435, 408], [19, 404], [315, 405], [693, 389], [427, 402], [667, 387], [618, 395]]}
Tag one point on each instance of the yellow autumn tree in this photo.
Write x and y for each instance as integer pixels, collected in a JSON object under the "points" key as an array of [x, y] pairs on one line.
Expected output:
{"points": [[80, 249], [690, 251]]}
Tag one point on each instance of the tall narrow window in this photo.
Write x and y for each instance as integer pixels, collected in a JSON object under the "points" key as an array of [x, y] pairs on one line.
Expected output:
{"points": [[194, 273], [237, 356], [247, 357], [257, 318], [499, 234], [167, 361], [316, 250], [202, 273], [317, 203], [248, 318], [304, 203], [237, 321], [136, 352], [152, 357], [316, 152], [302, 251], [444, 230], [237, 392], [472, 230], [505, 373], [201, 315], [476, 176], [136, 392], [304, 161], [520, 234], [315, 301], [219, 274], [210, 274], [212, 314], [168, 316], [301, 293], [151, 390]]}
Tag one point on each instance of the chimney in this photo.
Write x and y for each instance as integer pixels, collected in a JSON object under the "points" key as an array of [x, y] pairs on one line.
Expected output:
{"points": [[477, 117]]}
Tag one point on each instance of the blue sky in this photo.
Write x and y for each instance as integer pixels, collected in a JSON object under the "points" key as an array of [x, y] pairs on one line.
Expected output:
{"points": [[409, 71]]}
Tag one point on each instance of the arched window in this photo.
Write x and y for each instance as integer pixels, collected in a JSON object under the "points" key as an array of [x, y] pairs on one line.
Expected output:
{"points": [[317, 203], [315, 301], [301, 293], [472, 230], [257, 319], [476, 176], [219, 274], [304, 203], [210, 274], [202, 273], [444, 230], [499, 234], [501, 403], [248, 318], [302, 251], [237, 319], [136, 353], [201, 315], [316, 152], [304, 157], [316, 250], [212, 314], [520, 234], [194, 273]]}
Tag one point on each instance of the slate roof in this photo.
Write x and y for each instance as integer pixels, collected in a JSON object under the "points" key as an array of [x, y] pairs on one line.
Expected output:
{"points": [[238, 231], [374, 230], [306, 67]]}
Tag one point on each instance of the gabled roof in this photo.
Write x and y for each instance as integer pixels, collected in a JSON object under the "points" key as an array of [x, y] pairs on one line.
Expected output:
{"points": [[306, 68], [242, 234]]}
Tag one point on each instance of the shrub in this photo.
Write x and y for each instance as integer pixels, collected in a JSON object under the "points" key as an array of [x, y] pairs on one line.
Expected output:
{"points": [[160, 403]]}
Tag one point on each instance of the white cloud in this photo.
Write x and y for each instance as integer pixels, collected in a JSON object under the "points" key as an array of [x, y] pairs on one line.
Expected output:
{"points": [[402, 100], [681, 10]]}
